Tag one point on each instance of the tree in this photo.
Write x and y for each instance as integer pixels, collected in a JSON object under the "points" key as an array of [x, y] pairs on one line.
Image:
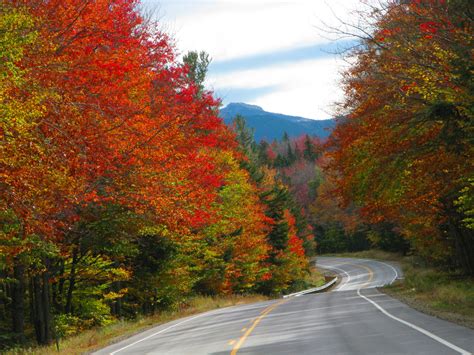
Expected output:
{"points": [[96, 113], [404, 153], [197, 66], [285, 266]]}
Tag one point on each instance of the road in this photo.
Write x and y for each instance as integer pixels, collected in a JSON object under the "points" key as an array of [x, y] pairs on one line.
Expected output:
{"points": [[354, 318]]}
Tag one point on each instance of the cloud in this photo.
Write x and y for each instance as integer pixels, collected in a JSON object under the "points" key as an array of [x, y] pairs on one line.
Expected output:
{"points": [[304, 88], [313, 51], [266, 52], [233, 94], [229, 29]]}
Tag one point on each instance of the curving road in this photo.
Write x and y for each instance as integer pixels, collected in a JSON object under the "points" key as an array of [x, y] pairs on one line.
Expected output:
{"points": [[354, 318]]}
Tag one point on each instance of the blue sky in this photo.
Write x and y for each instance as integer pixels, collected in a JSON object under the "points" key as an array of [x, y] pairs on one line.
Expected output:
{"points": [[265, 52]]}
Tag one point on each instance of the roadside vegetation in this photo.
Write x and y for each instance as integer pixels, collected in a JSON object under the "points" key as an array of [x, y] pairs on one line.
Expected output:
{"points": [[99, 337]]}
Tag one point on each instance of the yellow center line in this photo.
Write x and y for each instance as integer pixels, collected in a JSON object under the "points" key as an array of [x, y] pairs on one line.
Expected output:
{"points": [[255, 323], [275, 305], [369, 270], [371, 274]]}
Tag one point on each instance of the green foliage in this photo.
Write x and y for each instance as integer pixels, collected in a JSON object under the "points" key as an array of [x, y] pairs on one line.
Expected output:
{"points": [[66, 325], [310, 153], [384, 238], [197, 64], [161, 278], [465, 203], [17, 31], [285, 265]]}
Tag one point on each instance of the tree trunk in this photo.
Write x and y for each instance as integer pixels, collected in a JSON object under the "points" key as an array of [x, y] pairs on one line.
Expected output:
{"points": [[72, 282], [42, 314], [47, 307], [464, 242], [117, 304], [38, 311], [18, 300], [61, 288]]}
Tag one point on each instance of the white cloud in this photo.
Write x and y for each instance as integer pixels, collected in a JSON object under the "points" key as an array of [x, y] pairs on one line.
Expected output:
{"points": [[229, 29], [307, 88]]}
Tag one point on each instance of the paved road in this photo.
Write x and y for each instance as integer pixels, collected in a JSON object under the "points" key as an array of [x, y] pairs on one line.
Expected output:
{"points": [[352, 319]]}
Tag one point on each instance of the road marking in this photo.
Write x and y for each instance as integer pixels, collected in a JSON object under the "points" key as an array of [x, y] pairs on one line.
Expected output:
{"points": [[371, 274], [349, 279], [232, 342], [243, 329], [390, 266], [421, 330], [162, 331], [394, 270], [172, 326], [255, 323]]}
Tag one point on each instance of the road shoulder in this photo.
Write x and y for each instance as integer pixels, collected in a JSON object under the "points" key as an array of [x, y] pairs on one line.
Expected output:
{"points": [[398, 292]]}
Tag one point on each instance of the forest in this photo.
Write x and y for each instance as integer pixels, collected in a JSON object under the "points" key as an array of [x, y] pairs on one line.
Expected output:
{"points": [[124, 194], [122, 191]]}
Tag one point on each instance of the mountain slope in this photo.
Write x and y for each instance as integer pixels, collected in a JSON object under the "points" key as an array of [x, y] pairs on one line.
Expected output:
{"points": [[270, 126]]}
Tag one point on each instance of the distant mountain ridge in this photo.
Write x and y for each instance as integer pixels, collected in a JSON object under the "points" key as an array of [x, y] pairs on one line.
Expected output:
{"points": [[269, 126]]}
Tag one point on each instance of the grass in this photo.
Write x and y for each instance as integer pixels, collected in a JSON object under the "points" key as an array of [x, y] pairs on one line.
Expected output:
{"points": [[315, 278], [446, 295], [94, 339]]}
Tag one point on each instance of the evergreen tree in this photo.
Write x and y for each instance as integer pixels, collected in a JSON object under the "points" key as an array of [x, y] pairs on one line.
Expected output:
{"points": [[310, 153], [197, 64]]}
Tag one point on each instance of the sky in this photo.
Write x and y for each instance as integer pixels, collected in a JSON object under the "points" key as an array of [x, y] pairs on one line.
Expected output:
{"points": [[270, 53]]}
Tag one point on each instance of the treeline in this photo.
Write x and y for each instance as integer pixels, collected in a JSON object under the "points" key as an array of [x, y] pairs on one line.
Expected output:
{"points": [[403, 154], [122, 191], [301, 163]]}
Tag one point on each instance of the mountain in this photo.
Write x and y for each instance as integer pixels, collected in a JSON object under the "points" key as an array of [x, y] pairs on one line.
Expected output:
{"points": [[270, 126]]}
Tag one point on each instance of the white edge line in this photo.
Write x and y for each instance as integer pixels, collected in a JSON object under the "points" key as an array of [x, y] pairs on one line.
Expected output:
{"points": [[421, 330], [387, 264], [395, 270], [161, 331], [170, 327]]}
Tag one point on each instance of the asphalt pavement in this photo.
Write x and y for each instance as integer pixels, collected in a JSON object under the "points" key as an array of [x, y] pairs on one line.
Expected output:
{"points": [[354, 318]]}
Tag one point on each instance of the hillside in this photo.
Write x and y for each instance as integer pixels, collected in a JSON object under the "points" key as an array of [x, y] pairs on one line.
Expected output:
{"points": [[270, 126]]}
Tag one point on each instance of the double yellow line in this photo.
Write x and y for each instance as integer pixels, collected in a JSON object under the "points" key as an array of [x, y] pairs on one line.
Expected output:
{"points": [[371, 274], [254, 324]]}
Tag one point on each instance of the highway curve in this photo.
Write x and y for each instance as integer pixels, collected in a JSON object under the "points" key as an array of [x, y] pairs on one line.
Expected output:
{"points": [[354, 318]]}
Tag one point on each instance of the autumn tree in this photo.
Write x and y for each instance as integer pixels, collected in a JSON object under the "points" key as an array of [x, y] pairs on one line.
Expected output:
{"points": [[286, 265], [404, 153], [108, 157]]}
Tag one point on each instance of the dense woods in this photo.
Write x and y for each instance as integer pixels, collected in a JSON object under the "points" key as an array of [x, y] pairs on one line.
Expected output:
{"points": [[303, 165], [122, 191], [397, 171], [403, 154]]}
